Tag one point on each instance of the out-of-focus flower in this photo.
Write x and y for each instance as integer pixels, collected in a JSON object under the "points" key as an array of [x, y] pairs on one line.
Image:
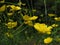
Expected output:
{"points": [[30, 23], [54, 25], [57, 18], [2, 1], [26, 17], [14, 8], [48, 40], [51, 15], [43, 28], [9, 35], [19, 3], [2, 8], [10, 14], [11, 24]]}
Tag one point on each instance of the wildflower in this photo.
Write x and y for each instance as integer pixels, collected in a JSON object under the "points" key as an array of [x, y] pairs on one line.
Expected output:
{"points": [[14, 8], [26, 17], [48, 40], [2, 8], [8, 34], [54, 25], [29, 23], [43, 28], [10, 14], [11, 24], [33, 18], [49, 32], [51, 15], [17, 8], [57, 18], [20, 3]]}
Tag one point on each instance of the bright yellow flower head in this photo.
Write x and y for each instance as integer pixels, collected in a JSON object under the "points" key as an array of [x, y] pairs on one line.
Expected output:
{"points": [[48, 40], [14, 8], [43, 28], [26, 17], [33, 18], [11, 24]]}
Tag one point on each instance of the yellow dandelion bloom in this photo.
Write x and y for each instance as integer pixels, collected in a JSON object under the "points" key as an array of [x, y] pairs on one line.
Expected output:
{"points": [[2, 8], [48, 40], [51, 15], [11, 24], [57, 18], [42, 28]]}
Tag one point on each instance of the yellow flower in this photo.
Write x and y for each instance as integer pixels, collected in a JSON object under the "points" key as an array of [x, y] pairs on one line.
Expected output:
{"points": [[48, 40], [49, 32], [29, 23], [19, 3], [57, 18], [33, 18], [11, 24], [2, 8], [43, 28], [14, 8], [51, 15], [17, 8], [26, 17], [10, 14], [54, 25]]}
